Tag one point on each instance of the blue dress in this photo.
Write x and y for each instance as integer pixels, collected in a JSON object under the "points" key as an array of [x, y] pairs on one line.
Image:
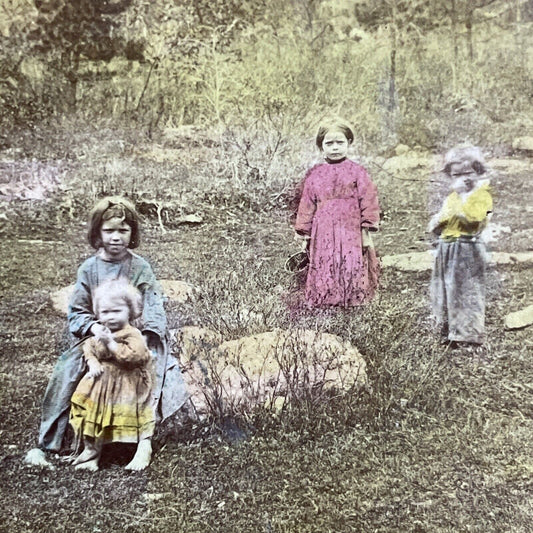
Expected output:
{"points": [[169, 391]]}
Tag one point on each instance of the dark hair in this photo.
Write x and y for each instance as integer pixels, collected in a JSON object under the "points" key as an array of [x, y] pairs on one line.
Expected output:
{"points": [[337, 124], [111, 207], [465, 153]]}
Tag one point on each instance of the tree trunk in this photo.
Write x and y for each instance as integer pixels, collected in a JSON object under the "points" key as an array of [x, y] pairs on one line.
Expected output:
{"points": [[394, 47], [453, 20], [469, 22]]}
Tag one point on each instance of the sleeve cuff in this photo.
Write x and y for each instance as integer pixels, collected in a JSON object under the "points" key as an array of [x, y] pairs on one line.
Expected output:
{"points": [[369, 227], [86, 331]]}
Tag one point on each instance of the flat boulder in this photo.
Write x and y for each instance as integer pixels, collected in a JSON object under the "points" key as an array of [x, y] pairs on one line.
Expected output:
{"points": [[510, 165], [264, 369], [421, 261], [410, 262], [175, 290]]}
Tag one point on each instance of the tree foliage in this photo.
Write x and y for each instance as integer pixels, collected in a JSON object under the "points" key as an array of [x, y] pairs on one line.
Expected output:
{"points": [[418, 69]]}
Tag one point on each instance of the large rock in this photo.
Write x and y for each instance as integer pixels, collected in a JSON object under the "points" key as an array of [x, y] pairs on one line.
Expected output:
{"points": [[520, 319], [174, 290], [265, 369]]}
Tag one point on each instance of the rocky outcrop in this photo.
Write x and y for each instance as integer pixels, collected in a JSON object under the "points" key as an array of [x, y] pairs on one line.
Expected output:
{"points": [[266, 369]]}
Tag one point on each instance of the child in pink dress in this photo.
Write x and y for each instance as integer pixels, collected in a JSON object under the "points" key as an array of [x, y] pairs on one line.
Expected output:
{"points": [[337, 211]]}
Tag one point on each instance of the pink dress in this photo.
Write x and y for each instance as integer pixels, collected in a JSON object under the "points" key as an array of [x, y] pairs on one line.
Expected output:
{"points": [[338, 200]]}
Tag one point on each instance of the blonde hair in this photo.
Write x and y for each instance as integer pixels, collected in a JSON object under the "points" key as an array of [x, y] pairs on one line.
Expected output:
{"points": [[120, 289], [465, 152]]}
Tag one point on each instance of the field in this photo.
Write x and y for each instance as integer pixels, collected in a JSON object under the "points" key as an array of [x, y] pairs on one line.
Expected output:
{"points": [[439, 442]]}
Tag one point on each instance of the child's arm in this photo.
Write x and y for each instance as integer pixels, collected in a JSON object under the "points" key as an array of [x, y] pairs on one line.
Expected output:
{"points": [[368, 201], [367, 241], [131, 350], [306, 208], [439, 220], [477, 206], [435, 225], [154, 320], [80, 310], [105, 337], [90, 354]]}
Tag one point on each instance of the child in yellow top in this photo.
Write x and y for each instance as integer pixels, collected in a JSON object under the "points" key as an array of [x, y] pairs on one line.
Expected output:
{"points": [[458, 280]]}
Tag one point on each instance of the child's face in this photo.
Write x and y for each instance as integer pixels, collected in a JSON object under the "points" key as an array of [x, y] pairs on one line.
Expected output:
{"points": [[113, 312], [116, 236], [335, 145], [463, 176]]}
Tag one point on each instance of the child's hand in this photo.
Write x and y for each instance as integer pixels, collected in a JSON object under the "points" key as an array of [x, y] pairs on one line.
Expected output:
{"points": [[105, 336], [95, 368], [367, 241], [97, 329], [434, 225], [303, 239]]}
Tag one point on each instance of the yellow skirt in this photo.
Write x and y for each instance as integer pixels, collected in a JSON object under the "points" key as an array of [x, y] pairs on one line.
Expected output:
{"points": [[117, 406]]}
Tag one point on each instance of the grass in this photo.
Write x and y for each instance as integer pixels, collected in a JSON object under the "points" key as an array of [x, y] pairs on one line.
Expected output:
{"points": [[439, 442]]}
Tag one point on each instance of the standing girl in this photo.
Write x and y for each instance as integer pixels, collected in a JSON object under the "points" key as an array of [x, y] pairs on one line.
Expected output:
{"points": [[338, 210], [458, 280], [113, 232], [113, 401]]}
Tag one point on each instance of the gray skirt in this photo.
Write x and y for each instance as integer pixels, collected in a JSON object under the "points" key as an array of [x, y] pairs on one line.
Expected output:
{"points": [[458, 289]]}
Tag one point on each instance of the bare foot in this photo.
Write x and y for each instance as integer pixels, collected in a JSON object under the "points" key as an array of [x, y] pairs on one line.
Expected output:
{"points": [[91, 465], [142, 456], [37, 457], [87, 455]]}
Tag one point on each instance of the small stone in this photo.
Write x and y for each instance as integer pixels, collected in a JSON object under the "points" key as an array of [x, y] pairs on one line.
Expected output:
{"points": [[401, 149], [155, 496], [520, 319], [189, 219], [523, 144]]}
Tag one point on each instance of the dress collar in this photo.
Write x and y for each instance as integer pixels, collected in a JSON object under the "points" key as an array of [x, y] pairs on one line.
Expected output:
{"points": [[330, 162]]}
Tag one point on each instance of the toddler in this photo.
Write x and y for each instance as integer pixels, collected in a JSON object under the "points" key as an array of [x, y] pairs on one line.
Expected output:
{"points": [[113, 401], [458, 279]]}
